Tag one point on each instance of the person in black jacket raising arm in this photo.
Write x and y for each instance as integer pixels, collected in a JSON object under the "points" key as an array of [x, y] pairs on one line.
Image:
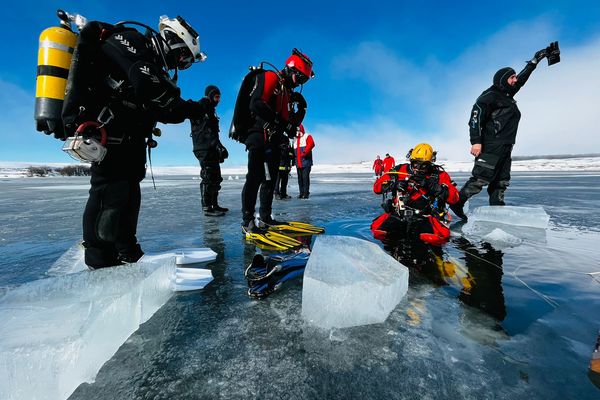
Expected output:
{"points": [[493, 129]]}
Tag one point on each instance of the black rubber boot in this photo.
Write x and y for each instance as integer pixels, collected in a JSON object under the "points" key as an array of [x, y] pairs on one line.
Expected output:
{"points": [[213, 212], [216, 205], [457, 208]]}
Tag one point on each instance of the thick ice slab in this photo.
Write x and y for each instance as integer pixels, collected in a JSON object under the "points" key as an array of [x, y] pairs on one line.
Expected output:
{"points": [[507, 226], [532, 217], [350, 282], [56, 333]]}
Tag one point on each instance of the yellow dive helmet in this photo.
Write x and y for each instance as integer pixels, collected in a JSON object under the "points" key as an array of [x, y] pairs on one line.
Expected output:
{"points": [[422, 152]]}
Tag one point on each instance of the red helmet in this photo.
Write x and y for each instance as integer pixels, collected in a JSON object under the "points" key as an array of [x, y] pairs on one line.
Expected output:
{"points": [[300, 62], [301, 129]]}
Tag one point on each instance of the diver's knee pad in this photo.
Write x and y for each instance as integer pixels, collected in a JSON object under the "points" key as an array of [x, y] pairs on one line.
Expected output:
{"points": [[107, 225]]}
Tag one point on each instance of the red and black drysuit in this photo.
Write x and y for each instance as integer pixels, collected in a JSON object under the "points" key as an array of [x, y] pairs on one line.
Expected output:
{"points": [[119, 72], [428, 193], [271, 104]]}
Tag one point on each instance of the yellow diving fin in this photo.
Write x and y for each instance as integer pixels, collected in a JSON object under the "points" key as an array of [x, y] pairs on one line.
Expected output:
{"points": [[297, 227], [274, 240]]}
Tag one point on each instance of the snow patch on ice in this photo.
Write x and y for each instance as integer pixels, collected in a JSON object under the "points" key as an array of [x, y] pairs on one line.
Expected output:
{"points": [[499, 239]]}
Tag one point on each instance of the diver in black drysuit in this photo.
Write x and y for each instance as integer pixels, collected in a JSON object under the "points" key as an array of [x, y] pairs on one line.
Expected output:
{"points": [[494, 122], [493, 129], [126, 79], [210, 152]]}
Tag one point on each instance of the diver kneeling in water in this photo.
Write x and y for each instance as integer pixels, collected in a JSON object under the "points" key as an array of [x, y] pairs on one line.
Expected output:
{"points": [[415, 198]]}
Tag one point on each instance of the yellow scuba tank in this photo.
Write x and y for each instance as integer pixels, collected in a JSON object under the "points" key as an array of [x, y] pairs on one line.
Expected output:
{"points": [[56, 48]]}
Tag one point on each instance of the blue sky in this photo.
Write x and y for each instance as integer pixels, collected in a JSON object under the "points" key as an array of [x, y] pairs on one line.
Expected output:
{"points": [[389, 74]]}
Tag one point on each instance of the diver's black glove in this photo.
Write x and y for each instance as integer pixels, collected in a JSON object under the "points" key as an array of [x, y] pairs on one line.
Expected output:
{"points": [[281, 126], [387, 186], [418, 179], [223, 153], [433, 187], [538, 56], [553, 53]]}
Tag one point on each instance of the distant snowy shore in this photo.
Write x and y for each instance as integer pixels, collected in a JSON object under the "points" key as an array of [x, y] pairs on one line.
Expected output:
{"points": [[574, 164]]}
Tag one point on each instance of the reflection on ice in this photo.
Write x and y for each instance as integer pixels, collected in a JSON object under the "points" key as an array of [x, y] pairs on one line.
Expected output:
{"points": [[56, 333], [350, 282]]}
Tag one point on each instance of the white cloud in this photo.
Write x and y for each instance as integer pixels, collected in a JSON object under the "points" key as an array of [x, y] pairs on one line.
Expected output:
{"points": [[559, 104]]}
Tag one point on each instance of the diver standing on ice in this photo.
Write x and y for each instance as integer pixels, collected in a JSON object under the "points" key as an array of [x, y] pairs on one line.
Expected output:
{"points": [[493, 129], [209, 151], [118, 88]]}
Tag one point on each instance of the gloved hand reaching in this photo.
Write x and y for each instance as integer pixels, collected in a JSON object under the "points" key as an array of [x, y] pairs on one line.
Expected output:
{"points": [[223, 153], [434, 189], [553, 53], [538, 56], [281, 126]]}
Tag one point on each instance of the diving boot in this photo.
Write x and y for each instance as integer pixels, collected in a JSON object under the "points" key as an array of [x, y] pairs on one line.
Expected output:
{"points": [[216, 204], [457, 209], [265, 223], [213, 212]]}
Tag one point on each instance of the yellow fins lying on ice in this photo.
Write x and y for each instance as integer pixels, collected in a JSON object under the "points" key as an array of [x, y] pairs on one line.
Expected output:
{"points": [[274, 235], [301, 228], [271, 240]]}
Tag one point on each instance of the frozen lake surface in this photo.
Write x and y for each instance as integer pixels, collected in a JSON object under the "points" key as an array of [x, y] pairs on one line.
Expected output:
{"points": [[479, 321]]}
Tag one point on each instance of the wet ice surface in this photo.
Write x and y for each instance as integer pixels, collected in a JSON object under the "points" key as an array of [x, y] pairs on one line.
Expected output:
{"points": [[526, 328], [350, 282]]}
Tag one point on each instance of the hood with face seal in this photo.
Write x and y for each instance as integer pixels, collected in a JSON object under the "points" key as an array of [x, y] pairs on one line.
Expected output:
{"points": [[501, 80], [210, 92]]}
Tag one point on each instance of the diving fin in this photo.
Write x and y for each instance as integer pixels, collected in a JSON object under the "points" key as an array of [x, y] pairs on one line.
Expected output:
{"points": [[274, 240], [262, 288], [295, 227], [263, 267]]}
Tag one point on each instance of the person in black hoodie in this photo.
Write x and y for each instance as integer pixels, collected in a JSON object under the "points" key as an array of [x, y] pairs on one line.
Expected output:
{"points": [[493, 129], [210, 152]]}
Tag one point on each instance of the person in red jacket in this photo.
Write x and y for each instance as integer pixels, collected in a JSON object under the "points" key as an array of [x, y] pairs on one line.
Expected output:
{"points": [[419, 192], [303, 145], [388, 162], [378, 166]]}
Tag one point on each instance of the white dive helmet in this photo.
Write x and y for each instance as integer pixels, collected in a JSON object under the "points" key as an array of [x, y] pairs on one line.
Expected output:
{"points": [[188, 36]]}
